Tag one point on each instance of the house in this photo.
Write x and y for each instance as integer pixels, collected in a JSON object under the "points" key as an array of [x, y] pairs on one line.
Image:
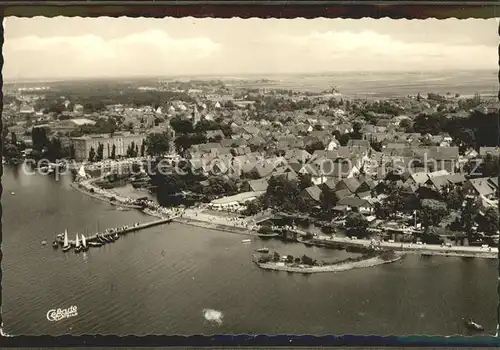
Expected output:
{"points": [[361, 144], [255, 185], [329, 185], [262, 170], [479, 187], [232, 143], [341, 194], [333, 144], [312, 193], [471, 153], [493, 182], [416, 179], [351, 184], [494, 151], [336, 169], [302, 156], [215, 134], [356, 204], [437, 183]]}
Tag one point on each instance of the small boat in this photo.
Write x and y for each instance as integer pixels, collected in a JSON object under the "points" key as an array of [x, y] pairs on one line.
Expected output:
{"points": [[246, 241], [116, 236], [473, 326], [66, 245], [263, 250], [95, 244], [84, 244], [77, 245], [44, 242], [13, 193], [55, 244]]}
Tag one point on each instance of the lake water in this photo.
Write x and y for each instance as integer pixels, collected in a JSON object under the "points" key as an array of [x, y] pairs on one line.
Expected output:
{"points": [[160, 280], [384, 84]]}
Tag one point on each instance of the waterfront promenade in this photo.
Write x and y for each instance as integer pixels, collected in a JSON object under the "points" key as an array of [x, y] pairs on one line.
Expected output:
{"points": [[424, 249]]}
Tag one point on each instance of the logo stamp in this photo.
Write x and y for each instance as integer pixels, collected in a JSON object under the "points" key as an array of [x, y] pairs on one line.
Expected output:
{"points": [[59, 314]]}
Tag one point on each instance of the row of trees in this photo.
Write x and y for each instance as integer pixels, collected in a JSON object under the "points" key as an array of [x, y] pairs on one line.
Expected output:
{"points": [[475, 131]]}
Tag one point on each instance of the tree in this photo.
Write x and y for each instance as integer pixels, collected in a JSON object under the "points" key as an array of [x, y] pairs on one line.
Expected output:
{"points": [[489, 222], [40, 138], [344, 139], [100, 152], [276, 257], [13, 138], [157, 144], [406, 125], [54, 149], [469, 211], [252, 208], [453, 196], [315, 146], [356, 134], [136, 152], [305, 181], [490, 166], [11, 151], [92, 154], [356, 225], [72, 151], [307, 260], [113, 152], [181, 126], [130, 126], [143, 149], [432, 212]]}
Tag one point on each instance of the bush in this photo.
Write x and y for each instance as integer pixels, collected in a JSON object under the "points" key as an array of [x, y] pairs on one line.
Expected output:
{"points": [[266, 230]]}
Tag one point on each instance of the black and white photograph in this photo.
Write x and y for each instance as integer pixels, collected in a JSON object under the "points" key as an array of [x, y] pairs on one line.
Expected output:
{"points": [[185, 176]]}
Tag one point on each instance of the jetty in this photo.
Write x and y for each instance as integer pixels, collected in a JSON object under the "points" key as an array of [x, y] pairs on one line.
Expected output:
{"points": [[125, 229]]}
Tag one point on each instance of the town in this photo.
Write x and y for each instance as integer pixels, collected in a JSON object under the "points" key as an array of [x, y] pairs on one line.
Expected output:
{"points": [[420, 169]]}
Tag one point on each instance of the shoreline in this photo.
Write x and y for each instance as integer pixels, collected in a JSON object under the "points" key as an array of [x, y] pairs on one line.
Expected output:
{"points": [[115, 203], [339, 267], [407, 248], [423, 250]]}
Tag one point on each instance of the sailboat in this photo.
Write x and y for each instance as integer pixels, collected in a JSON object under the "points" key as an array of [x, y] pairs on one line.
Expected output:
{"points": [[66, 245], [81, 172], [84, 244], [77, 244]]}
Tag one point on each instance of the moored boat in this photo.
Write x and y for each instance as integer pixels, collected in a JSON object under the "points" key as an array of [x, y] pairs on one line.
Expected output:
{"points": [[473, 326], [246, 241], [263, 250], [55, 244], [84, 244], [95, 244], [77, 244], [66, 245]]}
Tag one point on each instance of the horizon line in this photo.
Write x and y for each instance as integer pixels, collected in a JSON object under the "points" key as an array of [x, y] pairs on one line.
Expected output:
{"points": [[233, 75]]}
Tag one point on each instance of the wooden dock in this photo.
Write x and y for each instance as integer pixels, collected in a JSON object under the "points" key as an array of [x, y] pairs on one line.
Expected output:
{"points": [[128, 229]]}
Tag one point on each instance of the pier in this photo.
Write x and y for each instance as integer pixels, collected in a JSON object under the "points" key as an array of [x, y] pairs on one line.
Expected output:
{"points": [[124, 230]]}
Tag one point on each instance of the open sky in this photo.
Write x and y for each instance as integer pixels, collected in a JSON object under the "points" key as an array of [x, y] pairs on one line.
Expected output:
{"points": [[57, 48]]}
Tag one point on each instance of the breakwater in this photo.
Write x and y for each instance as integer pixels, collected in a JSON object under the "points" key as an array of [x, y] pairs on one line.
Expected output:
{"points": [[337, 267]]}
